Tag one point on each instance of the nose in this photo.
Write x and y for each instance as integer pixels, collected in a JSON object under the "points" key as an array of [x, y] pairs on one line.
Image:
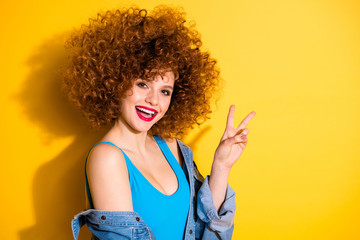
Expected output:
{"points": [[152, 98]]}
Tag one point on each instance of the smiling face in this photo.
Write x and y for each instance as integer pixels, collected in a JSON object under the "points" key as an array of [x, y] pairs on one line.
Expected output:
{"points": [[146, 102]]}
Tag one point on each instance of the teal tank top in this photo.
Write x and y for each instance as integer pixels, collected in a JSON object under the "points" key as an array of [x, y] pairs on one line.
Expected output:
{"points": [[166, 215]]}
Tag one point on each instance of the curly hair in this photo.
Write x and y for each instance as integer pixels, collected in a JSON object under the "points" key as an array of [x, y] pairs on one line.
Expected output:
{"points": [[119, 46]]}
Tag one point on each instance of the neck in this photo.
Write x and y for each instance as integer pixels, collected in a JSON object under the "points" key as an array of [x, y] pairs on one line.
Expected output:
{"points": [[129, 139]]}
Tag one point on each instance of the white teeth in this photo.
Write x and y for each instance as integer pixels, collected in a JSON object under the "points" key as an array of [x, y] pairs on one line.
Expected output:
{"points": [[145, 110]]}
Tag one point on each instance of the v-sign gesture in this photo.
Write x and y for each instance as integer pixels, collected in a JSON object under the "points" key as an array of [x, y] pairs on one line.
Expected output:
{"points": [[231, 146], [233, 141]]}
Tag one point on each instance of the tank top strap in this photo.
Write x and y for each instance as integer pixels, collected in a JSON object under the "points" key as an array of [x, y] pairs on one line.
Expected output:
{"points": [[167, 153], [86, 178]]}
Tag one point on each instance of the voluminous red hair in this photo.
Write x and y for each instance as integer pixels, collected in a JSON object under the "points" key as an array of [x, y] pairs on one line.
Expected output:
{"points": [[117, 47]]}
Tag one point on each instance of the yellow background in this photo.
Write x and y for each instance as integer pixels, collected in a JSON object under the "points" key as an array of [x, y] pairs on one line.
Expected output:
{"points": [[296, 63]]}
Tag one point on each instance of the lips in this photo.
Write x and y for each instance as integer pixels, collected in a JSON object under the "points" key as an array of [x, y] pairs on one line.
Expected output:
{"points": [[145, 113]]}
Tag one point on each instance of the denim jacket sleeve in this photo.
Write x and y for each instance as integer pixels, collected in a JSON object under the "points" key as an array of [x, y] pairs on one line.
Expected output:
{"points": [[214, 223], [209, 223], [112, 225]]}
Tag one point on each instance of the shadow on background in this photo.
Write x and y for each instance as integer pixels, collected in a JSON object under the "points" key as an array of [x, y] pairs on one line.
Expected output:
{"points": [[192, 143], [58, 185]]}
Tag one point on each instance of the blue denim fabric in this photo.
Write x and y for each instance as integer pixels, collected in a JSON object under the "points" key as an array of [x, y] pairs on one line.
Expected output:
{"points": [[203, 222]]}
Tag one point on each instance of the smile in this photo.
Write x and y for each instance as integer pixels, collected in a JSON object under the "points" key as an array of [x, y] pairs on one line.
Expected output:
{"points": [[146, 114]]}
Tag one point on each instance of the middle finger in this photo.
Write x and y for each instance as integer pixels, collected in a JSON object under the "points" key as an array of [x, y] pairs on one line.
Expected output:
{"points": [[246, 120]]}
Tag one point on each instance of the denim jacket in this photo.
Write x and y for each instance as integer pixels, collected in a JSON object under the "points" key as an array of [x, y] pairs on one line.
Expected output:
{"points": [[203, 221]]}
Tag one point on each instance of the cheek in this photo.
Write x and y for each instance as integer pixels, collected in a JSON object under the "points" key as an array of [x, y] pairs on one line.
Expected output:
{"points": [[125, 103], [167, 102], [166, 108], [130, 97]]}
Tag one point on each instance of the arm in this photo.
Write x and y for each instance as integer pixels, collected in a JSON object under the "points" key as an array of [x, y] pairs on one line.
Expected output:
{"points": [[213, 223], [231, 146], [216, 200], [112, 219], [109, 179]]}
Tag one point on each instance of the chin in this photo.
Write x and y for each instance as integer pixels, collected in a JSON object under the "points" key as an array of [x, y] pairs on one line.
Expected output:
{"points": [[143, 128]]}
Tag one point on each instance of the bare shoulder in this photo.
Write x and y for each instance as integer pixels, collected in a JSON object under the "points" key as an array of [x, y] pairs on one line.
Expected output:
{"points": [[106, 158], [109, 179], [103, 155]]}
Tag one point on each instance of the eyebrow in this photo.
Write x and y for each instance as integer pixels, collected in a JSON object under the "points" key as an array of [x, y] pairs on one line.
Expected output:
{"points": [[168, 86]]}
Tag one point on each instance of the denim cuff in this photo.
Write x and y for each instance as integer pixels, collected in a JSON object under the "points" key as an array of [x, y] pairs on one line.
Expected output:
{"points": [[112, 225], [78, 222], [217, 221]]}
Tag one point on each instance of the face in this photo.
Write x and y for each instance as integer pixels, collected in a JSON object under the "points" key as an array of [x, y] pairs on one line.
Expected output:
{"points": [[147, 102]]}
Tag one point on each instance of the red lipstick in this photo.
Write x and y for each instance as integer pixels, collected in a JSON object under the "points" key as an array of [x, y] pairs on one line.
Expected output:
{"points": [[145, 113]]}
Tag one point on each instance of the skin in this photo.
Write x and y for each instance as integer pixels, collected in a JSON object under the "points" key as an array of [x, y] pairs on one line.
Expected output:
{"points": [[106, 168], [229, 150]]}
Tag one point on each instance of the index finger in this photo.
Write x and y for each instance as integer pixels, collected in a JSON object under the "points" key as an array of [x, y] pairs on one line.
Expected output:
{"points": [[230, 118], [246, 120]]}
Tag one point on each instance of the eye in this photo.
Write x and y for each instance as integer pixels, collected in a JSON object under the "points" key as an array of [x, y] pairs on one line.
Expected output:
{"points": [[142, 84], [166, 92]]}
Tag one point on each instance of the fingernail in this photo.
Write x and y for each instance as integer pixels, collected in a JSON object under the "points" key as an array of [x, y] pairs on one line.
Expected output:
{"points": [[243, 137]]}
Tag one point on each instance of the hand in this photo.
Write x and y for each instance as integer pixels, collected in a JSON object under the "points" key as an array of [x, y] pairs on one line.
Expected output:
{"points": [[233, 141]]}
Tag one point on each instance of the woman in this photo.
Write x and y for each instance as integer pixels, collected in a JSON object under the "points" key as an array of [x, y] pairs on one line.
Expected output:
{"points": [[144, 76]]}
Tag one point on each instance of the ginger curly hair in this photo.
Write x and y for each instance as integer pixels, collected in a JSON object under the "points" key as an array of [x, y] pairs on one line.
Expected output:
{"points": [[119, 46]]}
